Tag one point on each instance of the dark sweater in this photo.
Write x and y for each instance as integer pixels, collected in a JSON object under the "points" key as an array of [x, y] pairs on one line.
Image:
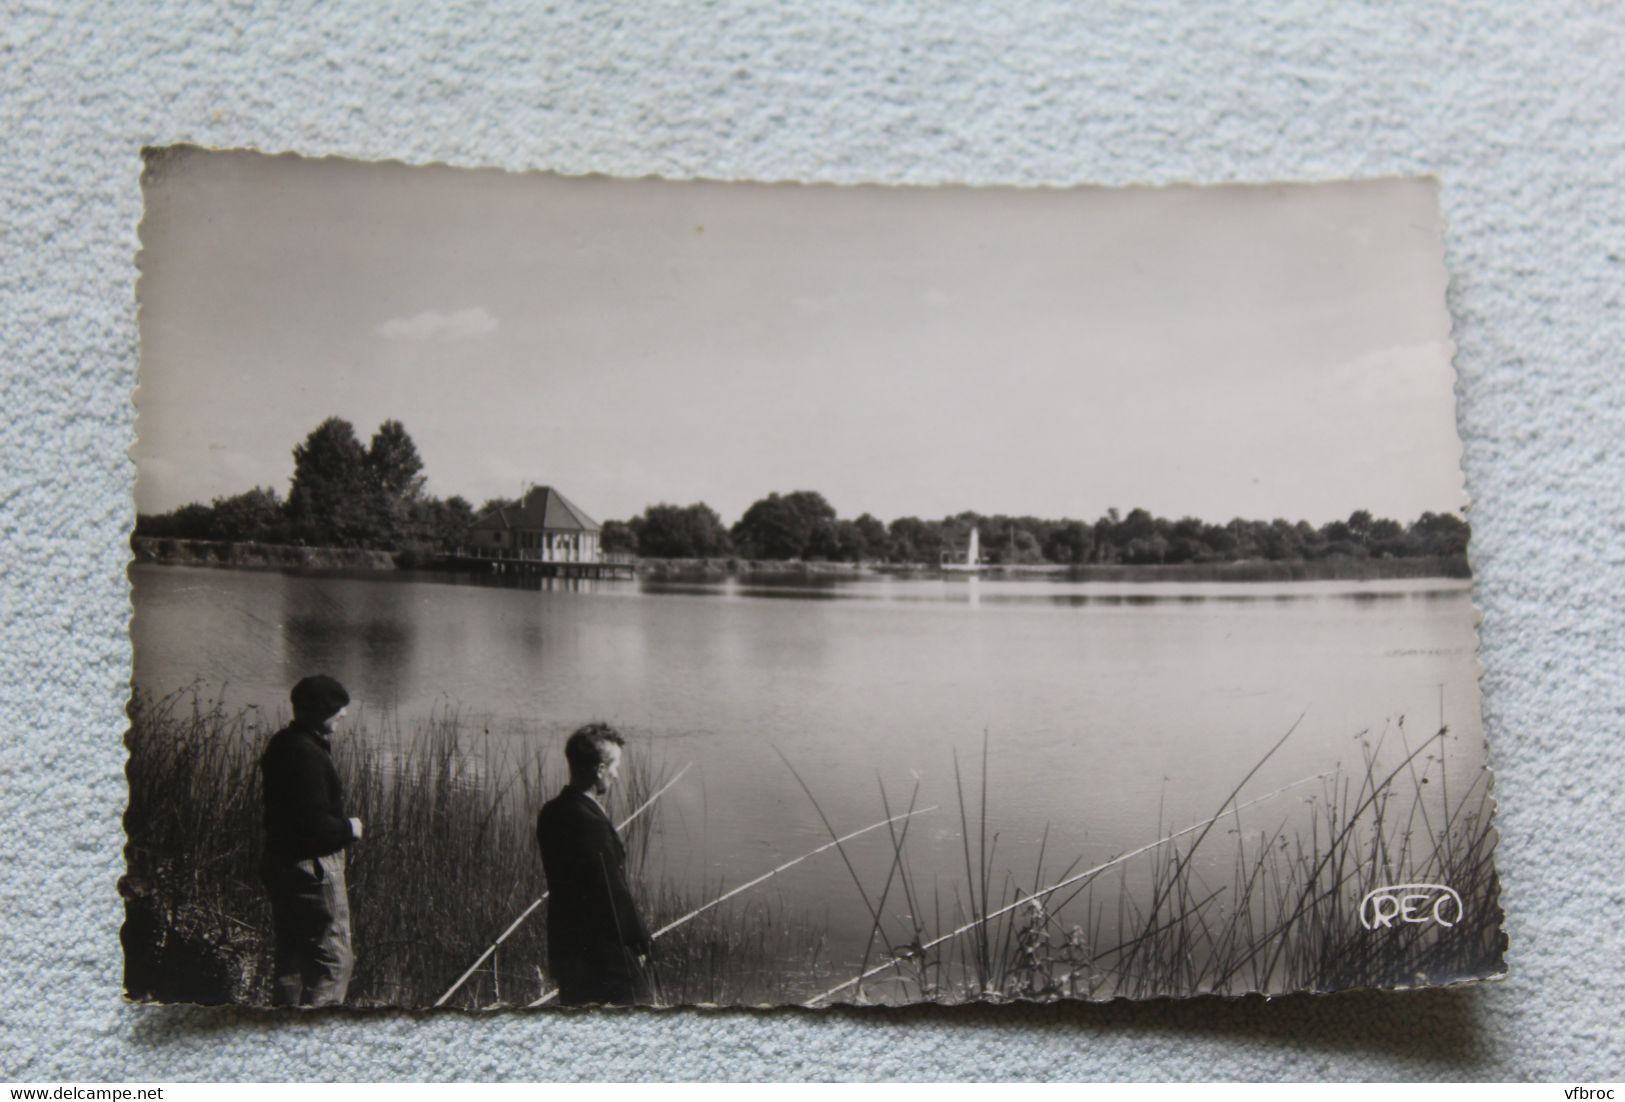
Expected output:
{"points": [[304, 802]]}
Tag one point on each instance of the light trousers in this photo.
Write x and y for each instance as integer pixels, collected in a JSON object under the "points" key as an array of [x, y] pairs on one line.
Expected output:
{"points": [[310, 912]]}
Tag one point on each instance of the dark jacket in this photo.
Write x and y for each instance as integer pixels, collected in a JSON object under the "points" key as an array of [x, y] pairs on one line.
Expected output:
{"points": [[304, 802], [594, 934]]}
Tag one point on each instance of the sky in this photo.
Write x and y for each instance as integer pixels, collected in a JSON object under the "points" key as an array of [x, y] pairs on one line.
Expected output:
{"points": [[1254, 351]]}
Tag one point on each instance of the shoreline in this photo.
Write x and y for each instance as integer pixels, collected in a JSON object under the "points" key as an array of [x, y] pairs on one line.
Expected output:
{"points": [[163, 551], [196, 922]]}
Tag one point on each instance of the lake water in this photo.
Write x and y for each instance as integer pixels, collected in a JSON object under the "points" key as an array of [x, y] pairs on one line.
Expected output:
{"points": [[1109, 708]]}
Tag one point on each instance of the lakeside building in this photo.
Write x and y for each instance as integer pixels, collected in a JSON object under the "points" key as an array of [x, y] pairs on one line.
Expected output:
{"points": [[544, 527]]}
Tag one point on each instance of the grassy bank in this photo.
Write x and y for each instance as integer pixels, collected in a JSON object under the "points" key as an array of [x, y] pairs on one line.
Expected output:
{"points": [[257, 556], [264, 556], [1265, 570], [1218, 906], [1259, 893], [716, 570], [1249, 570]]}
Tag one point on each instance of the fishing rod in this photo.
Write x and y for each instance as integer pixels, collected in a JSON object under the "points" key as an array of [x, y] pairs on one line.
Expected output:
{"points": [[670, 926], [539, 900], [1058, 885]]}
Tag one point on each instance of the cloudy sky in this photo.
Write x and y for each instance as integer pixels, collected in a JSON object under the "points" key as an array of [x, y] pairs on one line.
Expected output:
{"points": [[1239, 351]]}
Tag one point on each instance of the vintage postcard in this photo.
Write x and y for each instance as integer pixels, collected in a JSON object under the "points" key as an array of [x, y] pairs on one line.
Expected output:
{"points": [[571, 590]]}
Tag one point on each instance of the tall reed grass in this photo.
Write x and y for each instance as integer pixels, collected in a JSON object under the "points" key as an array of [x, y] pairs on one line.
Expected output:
{"points": [[1221, 907], [448, 860], [1260, 895]]}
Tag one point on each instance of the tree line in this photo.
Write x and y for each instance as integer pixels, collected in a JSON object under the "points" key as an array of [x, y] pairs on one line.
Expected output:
{"points": [[803, 525], [343, 494], [348, 494]]}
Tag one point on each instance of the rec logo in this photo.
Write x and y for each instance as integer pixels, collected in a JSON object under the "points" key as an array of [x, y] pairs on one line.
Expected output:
{"points": [[1411, 904]]}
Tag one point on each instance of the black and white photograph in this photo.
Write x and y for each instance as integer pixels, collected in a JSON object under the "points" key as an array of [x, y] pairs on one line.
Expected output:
{"points": [[560, 591]]}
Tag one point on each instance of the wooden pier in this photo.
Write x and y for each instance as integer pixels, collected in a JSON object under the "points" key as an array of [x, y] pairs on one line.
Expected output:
{"points": [[541, 568]]}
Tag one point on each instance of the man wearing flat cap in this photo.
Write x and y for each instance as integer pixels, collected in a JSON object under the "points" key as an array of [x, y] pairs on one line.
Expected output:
{"points": [[306, 832]]}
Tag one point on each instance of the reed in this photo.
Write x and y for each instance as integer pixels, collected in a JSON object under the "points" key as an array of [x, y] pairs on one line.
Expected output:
{"points": [[1262, 894], [1286, 920], [448, 862], [536, 903]]}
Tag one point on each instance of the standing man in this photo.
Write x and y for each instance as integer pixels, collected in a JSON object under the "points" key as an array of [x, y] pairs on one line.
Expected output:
{"points": [[595, 940], [306, 831]]}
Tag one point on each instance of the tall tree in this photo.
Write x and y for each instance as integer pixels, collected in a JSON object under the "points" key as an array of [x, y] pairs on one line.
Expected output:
{"points": [[254, 515], [680, 532], [1072, 542], [443, 524], [1108, 547], [393, 459], [1386, 538], [618, 537], [330, 499], [395, 471], [189, 522], [871, 537], [1438, 534], [1185, 541], [915, 540], [783, 527]]}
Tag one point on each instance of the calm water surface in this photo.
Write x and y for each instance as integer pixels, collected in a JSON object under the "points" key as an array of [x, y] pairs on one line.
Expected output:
{"points": [[1109, 707]]}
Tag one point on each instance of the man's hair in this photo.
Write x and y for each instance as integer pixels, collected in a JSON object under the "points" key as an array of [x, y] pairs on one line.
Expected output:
{"points": [[584, 750]]}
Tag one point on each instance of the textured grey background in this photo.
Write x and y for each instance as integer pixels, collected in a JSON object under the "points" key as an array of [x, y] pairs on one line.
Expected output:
{"points": [[1516, 107]]}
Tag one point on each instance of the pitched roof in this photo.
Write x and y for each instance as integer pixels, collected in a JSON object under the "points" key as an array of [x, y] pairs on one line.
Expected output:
{"points": [[543, 508]]}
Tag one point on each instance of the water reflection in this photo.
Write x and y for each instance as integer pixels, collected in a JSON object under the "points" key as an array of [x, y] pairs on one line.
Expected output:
{"points": [[532, 582], [347, 627], [977, 591]]}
